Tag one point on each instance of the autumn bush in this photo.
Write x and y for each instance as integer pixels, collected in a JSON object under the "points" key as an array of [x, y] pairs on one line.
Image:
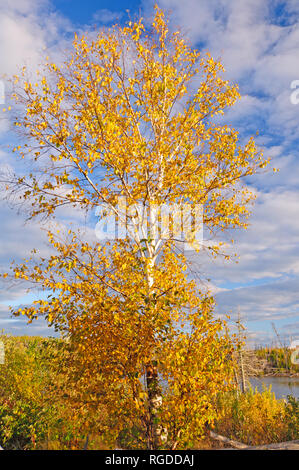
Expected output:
{"points": [[41, 409], [33, 414], [257, 418]]}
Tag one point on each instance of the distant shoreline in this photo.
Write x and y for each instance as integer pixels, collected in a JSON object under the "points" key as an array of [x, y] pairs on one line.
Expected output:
{"points": [[276, 374]]}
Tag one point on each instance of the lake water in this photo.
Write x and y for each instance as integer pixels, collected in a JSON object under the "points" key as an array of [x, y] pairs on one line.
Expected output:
{"points": [[281, 386]]}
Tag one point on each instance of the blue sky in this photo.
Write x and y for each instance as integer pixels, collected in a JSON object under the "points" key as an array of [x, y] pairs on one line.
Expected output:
{"points": [[258, 43], [80, 14]]}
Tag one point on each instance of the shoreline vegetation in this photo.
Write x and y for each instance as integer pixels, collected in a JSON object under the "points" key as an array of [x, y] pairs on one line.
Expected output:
{"points": [[269, 362], [36, 414]]}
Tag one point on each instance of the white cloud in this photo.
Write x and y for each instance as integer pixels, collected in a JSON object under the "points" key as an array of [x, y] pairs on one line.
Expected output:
{"points": [[107, 16], [26, 28]]}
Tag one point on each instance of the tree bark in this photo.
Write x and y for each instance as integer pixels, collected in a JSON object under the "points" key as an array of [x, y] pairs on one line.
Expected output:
{"points": [[154, 403]]}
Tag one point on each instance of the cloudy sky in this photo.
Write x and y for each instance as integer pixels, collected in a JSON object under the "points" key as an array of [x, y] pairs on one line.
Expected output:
{"points": [[258, 43]]}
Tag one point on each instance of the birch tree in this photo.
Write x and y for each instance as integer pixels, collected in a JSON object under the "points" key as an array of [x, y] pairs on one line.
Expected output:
{"points": [[132, 115]]}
